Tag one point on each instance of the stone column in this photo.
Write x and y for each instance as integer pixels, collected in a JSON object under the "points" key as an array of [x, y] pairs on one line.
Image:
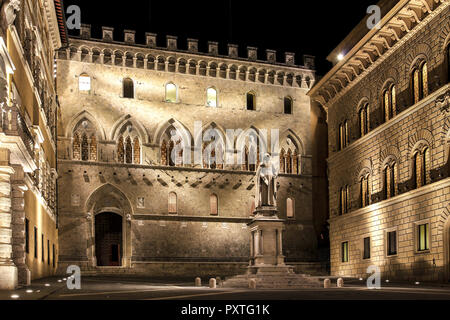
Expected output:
{"points": [[18, 226], [8, 270]]}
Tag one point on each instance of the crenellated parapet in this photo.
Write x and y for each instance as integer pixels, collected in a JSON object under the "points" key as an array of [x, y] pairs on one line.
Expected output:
{"points": [[189, 61]]}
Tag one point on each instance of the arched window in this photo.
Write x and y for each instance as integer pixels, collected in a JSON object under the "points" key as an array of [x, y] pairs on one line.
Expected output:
{"points": [[171, 93], [211, 97], [120, 151], [93, 148], [364, 120], [137, 151], [213, 205], [167, 148], [128, 151], [76, 148], [172, 203], [84, 83], [251, 101], [343, 135], [418, 170], [290, 210], [128, 88], [421, 163], [390, 180], [282, 161], [287, 105], [365, 190], [84, 148], [390, 102], [419, 82], [344, 200]]}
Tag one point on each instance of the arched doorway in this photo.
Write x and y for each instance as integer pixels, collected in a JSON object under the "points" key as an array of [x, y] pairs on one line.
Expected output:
{"points": [[108, 239]]}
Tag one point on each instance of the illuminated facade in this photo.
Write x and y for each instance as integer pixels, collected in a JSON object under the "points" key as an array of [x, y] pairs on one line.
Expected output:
{"points": [[133, 201], [29, 36], [389, 139]]}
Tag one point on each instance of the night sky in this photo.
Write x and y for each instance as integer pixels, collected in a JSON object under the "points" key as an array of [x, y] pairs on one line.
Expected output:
{"points": [[304, 27]]}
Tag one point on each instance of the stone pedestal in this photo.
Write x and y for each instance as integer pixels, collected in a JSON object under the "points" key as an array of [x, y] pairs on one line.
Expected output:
{"points": [[267, 268], [266, 256]]}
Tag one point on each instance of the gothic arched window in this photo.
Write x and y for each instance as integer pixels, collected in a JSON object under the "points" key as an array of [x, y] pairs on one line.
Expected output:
{"points": [[93, 148], [343, 135], [120, 151], [390, 102]]}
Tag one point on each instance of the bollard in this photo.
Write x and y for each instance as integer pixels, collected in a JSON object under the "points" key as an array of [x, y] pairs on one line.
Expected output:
{"points": [[252, 284], [212, 283], [327, 283], [198, 282], [219, 281], [340, 283]]}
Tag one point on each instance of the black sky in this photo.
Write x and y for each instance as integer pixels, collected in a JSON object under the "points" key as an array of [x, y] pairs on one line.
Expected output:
{"points": [[304, 27]]}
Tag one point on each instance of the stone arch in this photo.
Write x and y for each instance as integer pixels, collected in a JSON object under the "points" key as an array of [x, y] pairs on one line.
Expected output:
{"points": [[117, 128], [109, 199], [183, 131], [444, 37], [78, 118], [419, 52], [219, 146], [296, 140], [390, 153], [363, 168], [421, 137]]}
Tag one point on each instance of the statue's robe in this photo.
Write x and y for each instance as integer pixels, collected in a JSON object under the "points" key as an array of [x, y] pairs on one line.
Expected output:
{"points": [[266, 187]]}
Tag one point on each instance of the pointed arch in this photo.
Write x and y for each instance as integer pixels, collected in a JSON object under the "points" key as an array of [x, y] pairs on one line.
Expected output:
{"points": [[76, 120], [124, 121], [107, 198]]}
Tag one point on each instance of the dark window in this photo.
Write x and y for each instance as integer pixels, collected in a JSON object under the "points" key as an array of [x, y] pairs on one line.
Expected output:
{"points": [[35, 242], [392, 243], [344, 251], [43, 248], [250, 101], [27, 236], [48, 252], [287, 105], [54, 255], [423, 237], [128, 88], [366, 248]]}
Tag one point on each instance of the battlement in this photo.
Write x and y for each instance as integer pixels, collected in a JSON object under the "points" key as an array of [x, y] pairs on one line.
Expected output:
{"points": [[193, 47]]}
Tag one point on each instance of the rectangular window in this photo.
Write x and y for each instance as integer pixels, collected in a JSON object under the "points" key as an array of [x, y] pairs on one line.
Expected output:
{"points": [[35, 242], [366, 254], [27, 235], [48, 252], [54, 255], [392, 243], [423, 237], [43, 248], [344, 251], [84, 83]]}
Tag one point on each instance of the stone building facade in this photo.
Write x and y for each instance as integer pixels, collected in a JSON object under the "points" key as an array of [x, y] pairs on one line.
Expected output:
{"points": [[29, 36], [387, 100], [133, 119]]}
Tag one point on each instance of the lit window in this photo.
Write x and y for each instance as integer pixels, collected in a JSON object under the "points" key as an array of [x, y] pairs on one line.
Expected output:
{"points": [[364, 191], [84, 82], [423, 237], [171, 93], [420, 82], [345, 252], [211, 97]]}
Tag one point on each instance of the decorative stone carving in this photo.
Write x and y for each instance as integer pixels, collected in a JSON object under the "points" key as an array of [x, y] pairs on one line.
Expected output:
{"points": [[8, 12]]}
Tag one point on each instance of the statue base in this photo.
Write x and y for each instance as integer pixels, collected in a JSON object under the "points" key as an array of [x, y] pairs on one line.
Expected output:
{"points": [[267, 266]]}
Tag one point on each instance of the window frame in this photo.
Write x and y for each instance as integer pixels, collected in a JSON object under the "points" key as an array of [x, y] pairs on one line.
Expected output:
{"points": [[291, 105], [293, 208], [387, 242], [417, 225], [133, 93], [216, 99], [363, 257], [247, 96], [347, 243], [166, 92], [87, 76]]}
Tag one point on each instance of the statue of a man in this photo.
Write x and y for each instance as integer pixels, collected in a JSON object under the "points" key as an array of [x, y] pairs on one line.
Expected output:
{"points": [[266, 184]]}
